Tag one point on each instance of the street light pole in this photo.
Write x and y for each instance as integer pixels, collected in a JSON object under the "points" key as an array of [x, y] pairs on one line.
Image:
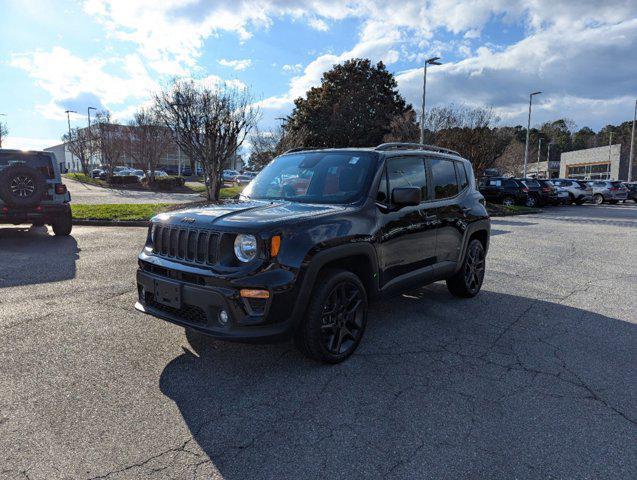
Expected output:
{"points": [[88, 111], [610, 143], [68, 121], [631, 157], [429, 61], [528, 131], [539, 151]]}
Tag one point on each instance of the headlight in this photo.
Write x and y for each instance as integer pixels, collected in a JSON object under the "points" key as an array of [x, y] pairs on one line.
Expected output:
{"points": [[245, 247]]}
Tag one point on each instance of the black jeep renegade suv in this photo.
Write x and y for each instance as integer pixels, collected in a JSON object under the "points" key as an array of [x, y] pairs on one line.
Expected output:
{"points": [[316, 236]]}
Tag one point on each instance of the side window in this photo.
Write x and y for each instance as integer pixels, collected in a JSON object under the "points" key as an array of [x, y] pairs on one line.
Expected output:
{"points": [[407, 172], [382, 195], [461, 173], [444, 179], [495, 183], [510, 184]]}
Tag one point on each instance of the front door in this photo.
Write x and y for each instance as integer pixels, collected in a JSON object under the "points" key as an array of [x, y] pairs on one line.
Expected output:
{"points": [[407, 243]]}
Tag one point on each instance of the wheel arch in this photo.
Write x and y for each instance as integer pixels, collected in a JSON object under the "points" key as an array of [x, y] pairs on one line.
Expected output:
{"points": [[359, 258]]}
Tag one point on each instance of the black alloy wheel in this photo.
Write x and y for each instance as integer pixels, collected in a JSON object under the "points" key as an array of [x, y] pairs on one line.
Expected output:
{"points": [[342, 318], [335, 319], [467, 281]]}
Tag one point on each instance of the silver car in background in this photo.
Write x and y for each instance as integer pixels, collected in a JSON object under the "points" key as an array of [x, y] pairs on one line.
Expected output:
{"points": [[608, 191], [578, 191]]}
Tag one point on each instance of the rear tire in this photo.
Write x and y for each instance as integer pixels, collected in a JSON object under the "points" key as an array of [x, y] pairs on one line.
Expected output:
{"points": [[571, 199], [63, 225], [530, 202], [467, 282], [335, 319], [598, 199], [508, 201]]}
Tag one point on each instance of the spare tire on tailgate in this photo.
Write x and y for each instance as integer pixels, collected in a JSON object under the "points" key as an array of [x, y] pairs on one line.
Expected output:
{"points": [[22, 186]]}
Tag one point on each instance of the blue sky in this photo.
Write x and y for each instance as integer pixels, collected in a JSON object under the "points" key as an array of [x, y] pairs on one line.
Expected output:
{"points": [[112, 54]]}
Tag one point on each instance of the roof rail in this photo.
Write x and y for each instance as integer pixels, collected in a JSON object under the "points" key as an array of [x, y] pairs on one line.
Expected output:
{"points": [[414, 146], [299, 149]]}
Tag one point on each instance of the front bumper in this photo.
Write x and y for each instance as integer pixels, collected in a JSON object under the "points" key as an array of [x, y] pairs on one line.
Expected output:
{"points": [[200, 305], [40, 213]]}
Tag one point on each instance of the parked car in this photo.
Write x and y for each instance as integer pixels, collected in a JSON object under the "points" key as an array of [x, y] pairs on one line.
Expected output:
{"points": [[563, 197], [31, 191], [549, 193], [97, 173], [281, 263], [137, 173], [537, 196], [608, 191], [632, 190], [229, 175], [578, 191], [243, 179], [507, 191]]}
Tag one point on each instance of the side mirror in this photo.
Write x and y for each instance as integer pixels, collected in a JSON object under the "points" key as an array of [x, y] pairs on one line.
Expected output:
{"points": [[406, 196]]}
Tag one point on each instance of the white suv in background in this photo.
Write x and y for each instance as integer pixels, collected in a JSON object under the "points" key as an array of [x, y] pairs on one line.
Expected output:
{"points": [[578, 191]]}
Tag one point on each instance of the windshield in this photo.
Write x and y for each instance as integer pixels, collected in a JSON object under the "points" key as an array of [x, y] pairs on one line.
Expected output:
{"points": [[319, 177]]}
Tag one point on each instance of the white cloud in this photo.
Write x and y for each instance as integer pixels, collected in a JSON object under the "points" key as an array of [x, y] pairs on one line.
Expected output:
{"points": [[292, 68], [74, 82], [318, 24], [236, 64], [28, 143]]}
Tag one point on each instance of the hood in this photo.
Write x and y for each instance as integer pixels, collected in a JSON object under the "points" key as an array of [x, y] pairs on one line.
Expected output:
{"points": [[245, 214]]}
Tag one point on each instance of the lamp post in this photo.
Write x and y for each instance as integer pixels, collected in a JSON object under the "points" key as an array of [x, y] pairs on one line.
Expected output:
{"points": [[429, 61], [88, 111], [528, 130], [539, 151], [68, 121], [631, 157]]}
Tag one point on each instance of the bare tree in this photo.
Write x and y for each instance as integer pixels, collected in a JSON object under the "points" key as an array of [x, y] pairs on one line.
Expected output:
{"points": [[268, 144], [510, 163], [209, 123], [470, 131], [147, 140], [112, 140], [403, 128], [4, 131], [81, 144]]}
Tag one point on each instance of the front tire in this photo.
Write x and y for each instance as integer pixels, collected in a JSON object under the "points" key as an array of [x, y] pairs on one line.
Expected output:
{"points": [[530, 202], [467, 282], [598, 199], [335, 319], [63, 225]]}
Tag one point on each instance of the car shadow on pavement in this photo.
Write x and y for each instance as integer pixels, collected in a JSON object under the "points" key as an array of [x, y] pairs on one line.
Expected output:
{"points": [[33, 255], [495, 386]]}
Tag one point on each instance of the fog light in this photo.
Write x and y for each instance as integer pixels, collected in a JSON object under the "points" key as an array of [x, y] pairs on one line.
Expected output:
{"points": [[223, 317]]}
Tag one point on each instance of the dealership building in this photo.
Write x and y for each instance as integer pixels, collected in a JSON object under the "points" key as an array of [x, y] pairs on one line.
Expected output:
{"points": [[600, 163]]}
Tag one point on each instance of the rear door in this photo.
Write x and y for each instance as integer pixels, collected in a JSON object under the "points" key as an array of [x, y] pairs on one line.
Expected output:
{"points": [[407, 235], [445, 203]]}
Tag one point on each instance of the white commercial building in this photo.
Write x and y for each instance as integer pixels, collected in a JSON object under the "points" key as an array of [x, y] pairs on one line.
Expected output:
{"points": [[600, 163]]}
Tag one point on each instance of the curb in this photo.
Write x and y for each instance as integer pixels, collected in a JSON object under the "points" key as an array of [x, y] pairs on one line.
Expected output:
{"points": [[111, 223], [511, 214]]}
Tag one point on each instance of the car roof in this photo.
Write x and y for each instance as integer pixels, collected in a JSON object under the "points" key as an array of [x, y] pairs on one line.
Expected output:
{"points": [[394, 152]]}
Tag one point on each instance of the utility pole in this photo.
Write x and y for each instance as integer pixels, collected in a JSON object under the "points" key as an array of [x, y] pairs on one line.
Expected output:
{"points": [[539, 151], [548, 159], [68, 120], [528, 132], [631, 158], [430, 61], [610, 143]]}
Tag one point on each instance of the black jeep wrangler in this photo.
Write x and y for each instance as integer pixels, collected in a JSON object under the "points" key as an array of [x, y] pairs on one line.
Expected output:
{"points": [[31, 191], [315, 237]]}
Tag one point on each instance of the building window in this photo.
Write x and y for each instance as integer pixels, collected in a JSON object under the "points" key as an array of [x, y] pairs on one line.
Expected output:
{"points": [[594, 171]]}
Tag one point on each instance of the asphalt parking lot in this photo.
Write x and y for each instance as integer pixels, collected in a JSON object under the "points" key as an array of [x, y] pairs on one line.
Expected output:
{"points": [[534, 378]]}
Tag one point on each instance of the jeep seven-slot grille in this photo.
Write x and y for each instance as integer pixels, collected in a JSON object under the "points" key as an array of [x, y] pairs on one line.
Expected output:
{"points": [[199, 246]]}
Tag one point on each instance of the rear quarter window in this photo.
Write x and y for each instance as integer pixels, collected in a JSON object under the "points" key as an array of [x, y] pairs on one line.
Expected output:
{"points": [[40, 161]]}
